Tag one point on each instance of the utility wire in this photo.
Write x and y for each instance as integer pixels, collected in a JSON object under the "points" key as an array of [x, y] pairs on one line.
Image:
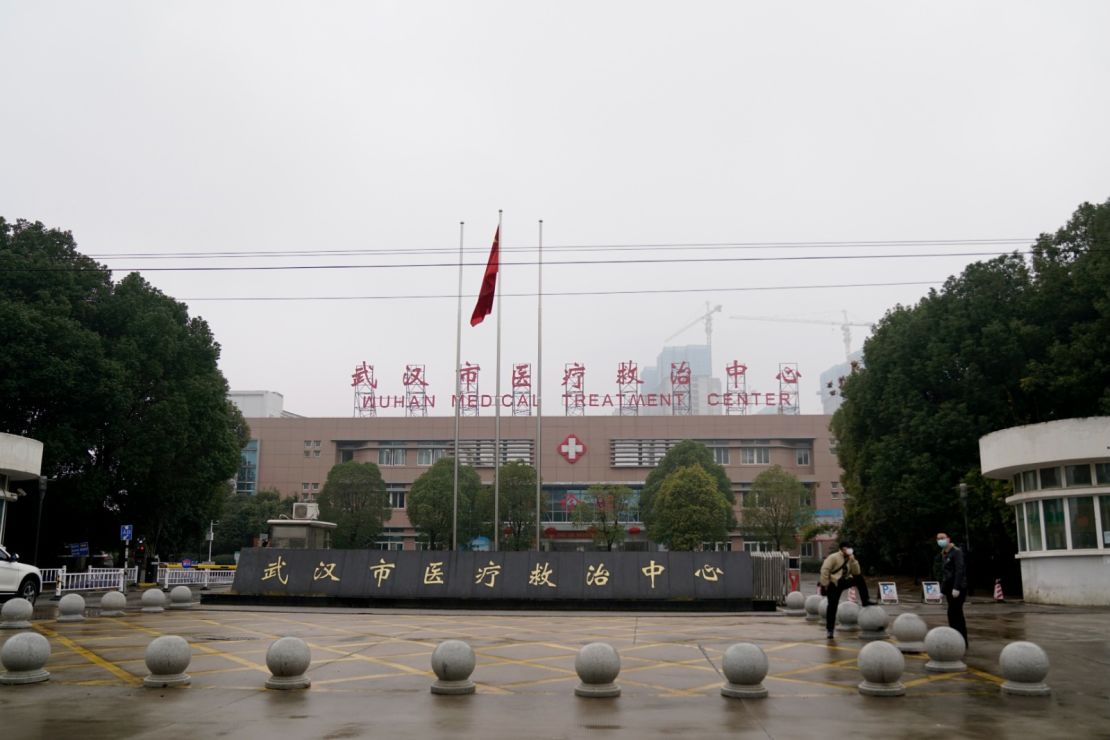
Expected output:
{"points": [[643, 291], [455, 265], [231, 254]]}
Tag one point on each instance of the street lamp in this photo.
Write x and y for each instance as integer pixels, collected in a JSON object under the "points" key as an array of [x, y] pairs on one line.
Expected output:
{"points": [[963, 501], [38, 526]]}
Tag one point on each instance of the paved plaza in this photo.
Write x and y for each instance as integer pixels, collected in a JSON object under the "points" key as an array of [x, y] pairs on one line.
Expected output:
{"points": [[371, 672]]}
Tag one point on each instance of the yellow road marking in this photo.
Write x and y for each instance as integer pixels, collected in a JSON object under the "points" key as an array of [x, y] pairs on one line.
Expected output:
{"points": [[89, 655]]}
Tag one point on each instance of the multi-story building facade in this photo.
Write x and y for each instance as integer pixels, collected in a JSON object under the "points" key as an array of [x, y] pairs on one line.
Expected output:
{"points": [[294, 455]]}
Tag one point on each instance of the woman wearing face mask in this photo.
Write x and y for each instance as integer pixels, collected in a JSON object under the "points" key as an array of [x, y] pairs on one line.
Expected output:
{"points": [[840, 572], [953, 582]]}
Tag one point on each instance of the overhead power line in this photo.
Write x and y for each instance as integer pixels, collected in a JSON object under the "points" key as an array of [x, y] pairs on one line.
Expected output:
{"points": [[528, 263], [312, 252], [641, 291]]}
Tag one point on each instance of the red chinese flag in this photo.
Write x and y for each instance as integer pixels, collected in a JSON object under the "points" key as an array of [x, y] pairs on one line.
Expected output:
{"points": [[484, 306]]}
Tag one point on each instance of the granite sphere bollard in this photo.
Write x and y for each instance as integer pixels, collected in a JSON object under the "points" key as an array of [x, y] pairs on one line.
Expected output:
{"points": [[181, 597], [795, 604], [288, 658], [112, 604], [453, 661], [745, 666], [71, 608], [167, 657], [909, 630], [16, 614], [812, 603], [847, 617], [1024, 666], [597, 665], [872, 623], [946, 649], [882, 665], [153, 601], [23, 657], [823, 610]]}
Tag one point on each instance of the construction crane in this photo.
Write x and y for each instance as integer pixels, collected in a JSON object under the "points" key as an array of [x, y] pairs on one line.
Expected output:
{"points": [[707, 317], [845, 326]]}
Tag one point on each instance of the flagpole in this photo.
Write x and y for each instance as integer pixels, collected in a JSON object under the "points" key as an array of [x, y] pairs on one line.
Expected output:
{"points": [[458, 400], [497, 414], [539, 384]]}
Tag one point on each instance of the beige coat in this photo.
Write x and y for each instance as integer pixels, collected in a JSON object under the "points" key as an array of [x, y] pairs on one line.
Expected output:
{"points": [[832, 570]]}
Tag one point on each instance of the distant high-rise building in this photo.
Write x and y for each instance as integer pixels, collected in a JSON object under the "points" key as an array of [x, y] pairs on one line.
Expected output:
{"points": [[657, 379]]}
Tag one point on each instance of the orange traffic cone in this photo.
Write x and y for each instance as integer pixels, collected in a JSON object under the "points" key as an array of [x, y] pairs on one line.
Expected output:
{"points": [[998, 590]]}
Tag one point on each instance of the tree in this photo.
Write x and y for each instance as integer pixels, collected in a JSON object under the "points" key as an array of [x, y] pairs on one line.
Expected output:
{"points": [[518, 505], [684, 454], [243, 517], [430, 504], [354, 498], [689, 510], [606, 511], [1007, 342], [779, 507], [123, 388]]}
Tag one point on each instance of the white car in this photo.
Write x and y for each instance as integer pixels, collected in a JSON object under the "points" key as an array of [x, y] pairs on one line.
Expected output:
{"points": [[18, 579]]}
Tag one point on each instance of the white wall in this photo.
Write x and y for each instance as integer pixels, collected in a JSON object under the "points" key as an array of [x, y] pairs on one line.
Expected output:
{"points": [[1074, 580]]}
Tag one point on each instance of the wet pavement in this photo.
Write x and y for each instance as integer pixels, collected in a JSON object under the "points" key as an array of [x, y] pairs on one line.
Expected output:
{"points": [[371, 674]]}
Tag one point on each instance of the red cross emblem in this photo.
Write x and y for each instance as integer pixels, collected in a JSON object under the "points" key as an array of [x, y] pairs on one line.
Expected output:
{"points": [[572, 449]]}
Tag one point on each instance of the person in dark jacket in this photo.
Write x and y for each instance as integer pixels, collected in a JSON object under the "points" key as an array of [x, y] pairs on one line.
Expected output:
{"points": [[953, 582]]}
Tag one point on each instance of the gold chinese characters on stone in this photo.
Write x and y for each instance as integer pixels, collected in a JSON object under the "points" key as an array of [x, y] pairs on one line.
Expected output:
{"points": [[324, 570], [382, 570], [273, 570], [487, 575], [433, 574]]}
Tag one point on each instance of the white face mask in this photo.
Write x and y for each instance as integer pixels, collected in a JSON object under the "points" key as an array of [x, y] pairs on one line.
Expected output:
{"points": [[847, 551]]}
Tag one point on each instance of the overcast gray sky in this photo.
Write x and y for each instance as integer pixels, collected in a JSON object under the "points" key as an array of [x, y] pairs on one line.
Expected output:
{"points": [[197, 127]]}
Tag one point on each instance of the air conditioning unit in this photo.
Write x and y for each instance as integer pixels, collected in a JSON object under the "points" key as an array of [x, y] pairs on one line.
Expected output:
{"points": [[306, 510]]}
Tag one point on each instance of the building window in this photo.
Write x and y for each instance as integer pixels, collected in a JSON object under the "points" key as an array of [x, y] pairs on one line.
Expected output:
{"points": [[1055, 534], [757, 547], [1017, 483], [1077, 475], [1029, 480], [246, 482], [1021, 528], [1081, 512], [807, 550], [427, 455], [391, 538], [803, 457], [720, 455], [391, 454], [1102, 475], [755, 455], [1104, 510], [837, 492], [716, 547], [312, 448], [1033, 516], [396, 493], [1050, 478]]}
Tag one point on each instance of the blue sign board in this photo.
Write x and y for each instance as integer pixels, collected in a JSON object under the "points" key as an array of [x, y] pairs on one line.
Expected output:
{"points": [[186, 563], [79, 549], [125, 532]]}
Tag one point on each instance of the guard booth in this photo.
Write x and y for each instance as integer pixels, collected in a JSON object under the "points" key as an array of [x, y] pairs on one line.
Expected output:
{"points": [[304, 531]]}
